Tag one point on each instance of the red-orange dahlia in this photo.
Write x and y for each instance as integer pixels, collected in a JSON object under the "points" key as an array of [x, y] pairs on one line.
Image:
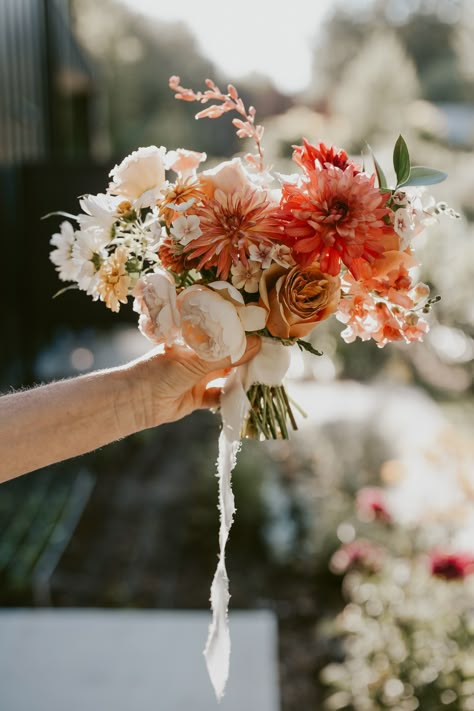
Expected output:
{"points": [[310, 157], [230, 224], [336, 215]]}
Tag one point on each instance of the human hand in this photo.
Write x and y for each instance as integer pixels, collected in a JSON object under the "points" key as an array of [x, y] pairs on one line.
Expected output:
{"points": [[170, 384]]}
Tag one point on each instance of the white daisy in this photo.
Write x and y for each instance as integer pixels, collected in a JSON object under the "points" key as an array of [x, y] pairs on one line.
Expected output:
{"points": [[62, 256], [88, 255], [99, 212]]}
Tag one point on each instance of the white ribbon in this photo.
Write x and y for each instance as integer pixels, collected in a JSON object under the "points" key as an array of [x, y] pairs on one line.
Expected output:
{"points": [[268, 368]]}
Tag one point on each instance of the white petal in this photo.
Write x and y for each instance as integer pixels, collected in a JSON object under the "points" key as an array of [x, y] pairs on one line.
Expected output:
{"points": [[232, 293], [253, 317]]}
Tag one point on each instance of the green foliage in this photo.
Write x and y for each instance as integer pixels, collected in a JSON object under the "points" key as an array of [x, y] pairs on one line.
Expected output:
{"points": [[306, 346], [401, 161], [420, 175]]}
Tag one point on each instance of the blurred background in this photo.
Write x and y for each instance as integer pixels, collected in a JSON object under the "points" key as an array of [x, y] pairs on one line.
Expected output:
{"points": [[359, 533]]}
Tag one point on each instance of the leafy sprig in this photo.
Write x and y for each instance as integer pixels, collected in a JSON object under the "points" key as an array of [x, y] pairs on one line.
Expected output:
{"points": [[407, 174]]}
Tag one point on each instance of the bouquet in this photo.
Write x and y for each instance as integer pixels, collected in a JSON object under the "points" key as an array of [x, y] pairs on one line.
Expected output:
{"points": [[209, 255]]}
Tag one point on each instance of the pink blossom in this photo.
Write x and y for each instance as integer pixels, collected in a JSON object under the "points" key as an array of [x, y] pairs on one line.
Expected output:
{"points": [[357, 554], [371, 504], [451, 566]]}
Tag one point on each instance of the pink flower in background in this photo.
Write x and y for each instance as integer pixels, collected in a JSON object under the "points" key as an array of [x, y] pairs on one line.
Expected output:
{"points": [[357, 554], [451, 566], [371, 504]]}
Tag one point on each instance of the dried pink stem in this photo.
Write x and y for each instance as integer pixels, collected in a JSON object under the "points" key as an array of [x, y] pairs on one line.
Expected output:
{"points": [[230, 102]]}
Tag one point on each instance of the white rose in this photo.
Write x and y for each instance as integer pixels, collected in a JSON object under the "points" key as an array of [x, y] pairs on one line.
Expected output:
{"points": [[140, 176], [155, 301], [210, 324]]}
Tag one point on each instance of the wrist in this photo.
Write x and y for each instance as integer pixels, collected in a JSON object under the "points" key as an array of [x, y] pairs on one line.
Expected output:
{"points": [[134, 398]]}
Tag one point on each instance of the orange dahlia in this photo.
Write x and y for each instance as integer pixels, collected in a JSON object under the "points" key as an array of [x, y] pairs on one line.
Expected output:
{"points": [[336, 215], [178, 197], [309, 157], [231, 223]]}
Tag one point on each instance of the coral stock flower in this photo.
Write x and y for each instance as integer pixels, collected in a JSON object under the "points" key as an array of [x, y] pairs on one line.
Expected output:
{"points": [[451, 566], [231, 223], [336, 215], [297, 299]]}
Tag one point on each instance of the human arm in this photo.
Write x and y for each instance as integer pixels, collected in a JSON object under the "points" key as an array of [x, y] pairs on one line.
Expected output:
{"points": [[67, 418]]}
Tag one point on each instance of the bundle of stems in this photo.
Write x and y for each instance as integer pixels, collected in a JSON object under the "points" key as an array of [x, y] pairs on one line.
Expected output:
{"points": [[270, 415]]}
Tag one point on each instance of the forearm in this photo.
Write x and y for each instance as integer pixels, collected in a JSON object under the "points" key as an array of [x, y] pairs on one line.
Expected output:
{"points": [[64, 419]]}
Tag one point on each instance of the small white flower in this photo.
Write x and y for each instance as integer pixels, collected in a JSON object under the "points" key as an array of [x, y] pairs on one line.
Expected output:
{"points": [[99, 212], [246, 277], [281, 254], [88, 254], [62, 256], [404, 226], [186, 229], [400, 198], [262, 253]]}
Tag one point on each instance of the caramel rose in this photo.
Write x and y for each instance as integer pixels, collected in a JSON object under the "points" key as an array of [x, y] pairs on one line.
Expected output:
{"points": [[297, 298]]}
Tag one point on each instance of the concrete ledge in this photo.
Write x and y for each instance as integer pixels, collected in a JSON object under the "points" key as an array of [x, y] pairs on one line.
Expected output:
{"points": [[108, 660]]}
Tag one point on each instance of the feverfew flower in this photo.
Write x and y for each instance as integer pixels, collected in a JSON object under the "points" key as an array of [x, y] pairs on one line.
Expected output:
{"points": [[62, 256], [186, 229], [246, 277]]}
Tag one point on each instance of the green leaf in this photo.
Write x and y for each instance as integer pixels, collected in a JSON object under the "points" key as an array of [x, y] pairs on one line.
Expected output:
{"points": [[63, 291], [401, 160], [59, 214], [305, 346], [420, 175], [380, 174], [378, 169]]}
